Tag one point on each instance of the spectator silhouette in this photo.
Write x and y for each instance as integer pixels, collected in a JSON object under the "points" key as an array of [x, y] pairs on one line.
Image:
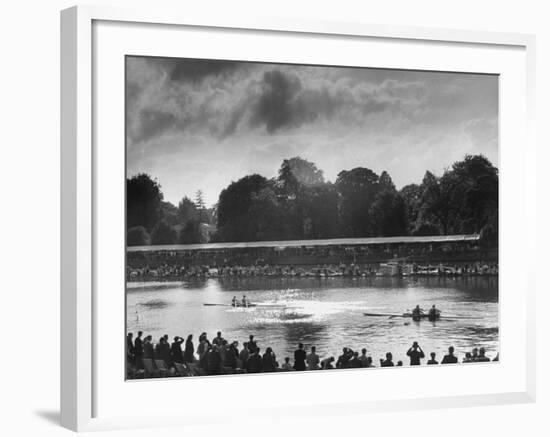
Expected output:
{"points": [[313, 360], [415, 353], [268, 361], [255, 362], [388, 361], [300, 358], [189, 355], [138, 347], [432, 359], [450, 357], [175, 350]]}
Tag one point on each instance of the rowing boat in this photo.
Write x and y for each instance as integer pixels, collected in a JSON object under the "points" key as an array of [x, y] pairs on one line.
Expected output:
{"points": [[250, 305], [421, 316]]}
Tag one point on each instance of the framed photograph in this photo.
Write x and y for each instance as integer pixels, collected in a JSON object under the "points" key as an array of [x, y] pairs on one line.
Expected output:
{"points": [[266, 206]]}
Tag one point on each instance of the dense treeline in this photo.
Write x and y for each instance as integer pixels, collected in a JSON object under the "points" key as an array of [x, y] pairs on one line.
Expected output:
{"points": [[300, 204], [151, 220]]}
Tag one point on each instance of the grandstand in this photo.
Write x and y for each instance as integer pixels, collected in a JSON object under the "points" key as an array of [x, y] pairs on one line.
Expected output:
{"points": [[420, 249]]}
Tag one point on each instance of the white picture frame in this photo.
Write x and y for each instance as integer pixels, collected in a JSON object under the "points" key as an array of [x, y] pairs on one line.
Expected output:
{"points": [[82, 389]]}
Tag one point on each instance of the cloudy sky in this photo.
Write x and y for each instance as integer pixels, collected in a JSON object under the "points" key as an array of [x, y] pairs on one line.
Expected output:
{"points": [[196, 124]]}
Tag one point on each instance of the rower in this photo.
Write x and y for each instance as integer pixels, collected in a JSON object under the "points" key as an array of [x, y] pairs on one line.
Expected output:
{"points": [[234, 301], [433, 314], [245, 301], [417, 313]]}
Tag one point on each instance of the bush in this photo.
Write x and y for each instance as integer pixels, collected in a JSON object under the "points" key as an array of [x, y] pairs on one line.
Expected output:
{"points": [[163, 233], [137, 236], [190, 233]]}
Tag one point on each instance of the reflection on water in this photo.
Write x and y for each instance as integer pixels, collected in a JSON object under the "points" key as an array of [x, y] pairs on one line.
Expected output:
{"points": [[327, 313]]}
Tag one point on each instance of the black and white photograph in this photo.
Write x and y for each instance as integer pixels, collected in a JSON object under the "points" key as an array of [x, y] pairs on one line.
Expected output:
{"points": [[292, 219], [287, 218]]}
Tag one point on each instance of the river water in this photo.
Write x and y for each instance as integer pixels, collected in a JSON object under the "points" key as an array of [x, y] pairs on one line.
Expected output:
{"points": [[327, 313]]}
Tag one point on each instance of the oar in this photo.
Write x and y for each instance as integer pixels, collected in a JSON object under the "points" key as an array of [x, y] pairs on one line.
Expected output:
{"points": [[382, 315]]}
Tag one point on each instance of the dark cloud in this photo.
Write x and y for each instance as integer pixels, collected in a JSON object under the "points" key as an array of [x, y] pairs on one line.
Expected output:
{"points": [[286, 101], [276, 105], [153, 123], [195, 70]]}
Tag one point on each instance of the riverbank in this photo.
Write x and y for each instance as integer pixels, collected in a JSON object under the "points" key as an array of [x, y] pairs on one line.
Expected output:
{"points": [[390, 269], [146, 359]]}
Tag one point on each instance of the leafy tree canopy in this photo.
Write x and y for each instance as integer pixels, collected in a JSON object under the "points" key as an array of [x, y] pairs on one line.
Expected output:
{"points": [[296, 173], [163, 233], [300, 204], [144, 199]]}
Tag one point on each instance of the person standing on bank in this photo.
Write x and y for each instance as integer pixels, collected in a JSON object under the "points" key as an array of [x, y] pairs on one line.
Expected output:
{"points": [[415, 353], [251, 344], [189, 354], [450, 357], [313, 360], [138, 349], [130, 348], [255, 362], [148, 350], [244, 354], [388, 362], [175, 350], [162, 351], [300, 358], [432, 359], [268, 361]]}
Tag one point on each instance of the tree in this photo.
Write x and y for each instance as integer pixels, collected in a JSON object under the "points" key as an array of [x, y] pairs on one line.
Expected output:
{"points": [[163, 233], [464, 200], [411, 195], [300, 204], [474, 183], [296, 173], [204, 214], [265, 215], [137, 236], [235, 201], [297, 181], [388, 214], [435, 204], [385, 181], [143, 197], [191, 232], [187, 210], [169, 213], [358, 188], [199, 200], [320, 209]]}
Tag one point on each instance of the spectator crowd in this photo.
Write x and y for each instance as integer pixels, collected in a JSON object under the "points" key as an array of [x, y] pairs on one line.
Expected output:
{"points": [[145, 359], [177, 271]]}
